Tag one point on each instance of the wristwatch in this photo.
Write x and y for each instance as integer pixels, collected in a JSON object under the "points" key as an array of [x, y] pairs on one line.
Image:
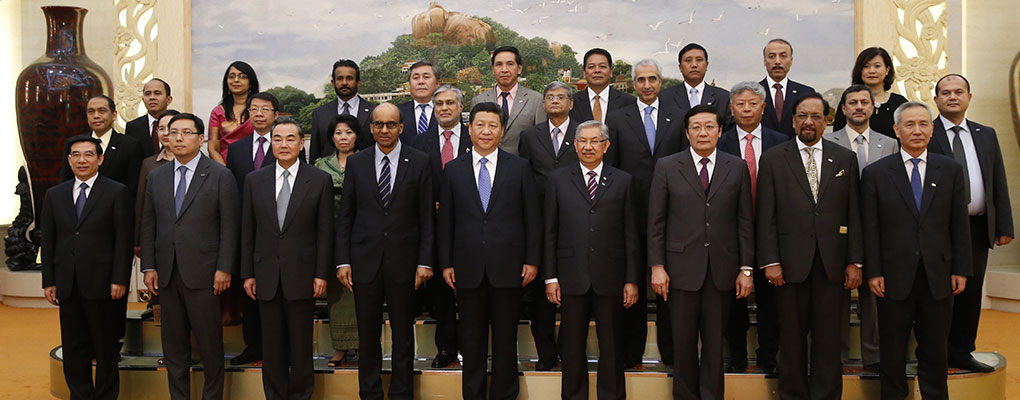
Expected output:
{"points": [[746, 272]]}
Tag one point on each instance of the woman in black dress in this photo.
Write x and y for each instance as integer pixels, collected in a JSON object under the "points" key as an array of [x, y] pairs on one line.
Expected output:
{"points": [[874, 69]]}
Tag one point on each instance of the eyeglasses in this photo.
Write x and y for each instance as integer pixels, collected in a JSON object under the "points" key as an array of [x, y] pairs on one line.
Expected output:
{"points": [[237, 76], [78, 154], [813, 117], [185, 132], [387, 125], [585, 142], [255, 110], [699, 128], [559, 97]]}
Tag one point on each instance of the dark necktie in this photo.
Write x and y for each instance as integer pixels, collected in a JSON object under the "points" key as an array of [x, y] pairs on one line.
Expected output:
{"points": [[79, 203], [347, 109], [446, 153], [778, 100], [704, 174], [591, 185], [915, 183], [423, 120], [384, 182], [155, 135], [961, 157], [260, 154], [182, 189], [503, 103]]}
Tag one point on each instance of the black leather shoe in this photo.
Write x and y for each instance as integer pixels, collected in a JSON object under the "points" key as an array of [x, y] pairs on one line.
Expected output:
{"points": [[768, 368], [736, 366], [971, 364], [545, 365], [667, 361], [631, 363], [444, 358], [873, 368], [247, 356]]}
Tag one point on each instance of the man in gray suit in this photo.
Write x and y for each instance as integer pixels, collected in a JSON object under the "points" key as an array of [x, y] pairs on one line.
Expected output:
{"points": [[522, 106], [858, 104], [189, 251]]}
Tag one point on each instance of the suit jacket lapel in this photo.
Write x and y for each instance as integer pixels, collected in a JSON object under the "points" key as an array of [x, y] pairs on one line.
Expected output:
{"points": [[580, 182], [789, 98], [545, 138], [983, 149], [902, 184], [198, 178], [602, 186], [362, 109], [568, 139], [730, 143], [247, 162], [682, 99], [827, 169], [638, 127], [499, 179], [931, 175], [722, 169], [266, 188], [941, 138], [519, 104], [690, 173], [662, 126], [796, 164]]}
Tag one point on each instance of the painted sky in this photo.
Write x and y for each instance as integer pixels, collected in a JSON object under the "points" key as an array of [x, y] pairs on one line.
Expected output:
{"points": [[295, 42]]}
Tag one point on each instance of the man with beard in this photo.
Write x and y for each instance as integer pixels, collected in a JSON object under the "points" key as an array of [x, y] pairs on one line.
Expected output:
{"points": [[345, 79]]}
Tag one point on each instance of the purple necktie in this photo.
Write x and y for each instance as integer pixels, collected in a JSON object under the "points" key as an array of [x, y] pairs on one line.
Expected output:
{"points": [[260, 154], [704, 174]]}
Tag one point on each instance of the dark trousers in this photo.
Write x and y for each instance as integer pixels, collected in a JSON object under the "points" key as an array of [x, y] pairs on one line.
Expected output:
{"points": [[767, 324], [481, 308], [368, 306], [442, 306], [635, 318], [542, 315], [930, 319], [251, 322], [91, 328], [287, 371], [699, 314], [185, 311], [575, 313], [810, 307], [967, 305]]}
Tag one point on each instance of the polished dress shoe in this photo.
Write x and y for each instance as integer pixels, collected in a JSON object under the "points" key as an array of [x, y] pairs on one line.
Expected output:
{"points": [[545, 365], [444, 358], [247, 356], [873, 368], [970, 364], [736, 366]]}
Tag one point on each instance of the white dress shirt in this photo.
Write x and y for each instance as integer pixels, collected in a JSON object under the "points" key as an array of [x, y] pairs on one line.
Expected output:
{"points": [[584, 181], [772, 90], [255, 144], [655, 112], [291, 179], [977, 187], [354, 102], [454, 139], [562, 135], [701, 92], [817, 156], [489, 165], [922, 166], [77, 187], [105, 139], [429, 109], [188, 176], [755, 143], [697, 163], [603, 101], [394, 158]]}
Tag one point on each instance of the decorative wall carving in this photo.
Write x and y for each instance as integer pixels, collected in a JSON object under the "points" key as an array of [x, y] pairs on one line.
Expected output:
{"points": [[920, 53], [134, 45]]}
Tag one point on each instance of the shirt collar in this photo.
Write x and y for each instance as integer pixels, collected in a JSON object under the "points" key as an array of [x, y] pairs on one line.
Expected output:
{"points": [[697, 157], [293, 169], [90, 182], [393, 156], [949, 124], [906, 156], [801, 146], [513, 91], [563, 126], [354, 103], [164, 155], [455, 129], [642, 106], [257, 135], [756, 132], [852, 134], [785, 82], [191, 164], [150, 119], [417, 105], [491, 157], [105, 139], [700, 87], [602, 96], [598, 169]]}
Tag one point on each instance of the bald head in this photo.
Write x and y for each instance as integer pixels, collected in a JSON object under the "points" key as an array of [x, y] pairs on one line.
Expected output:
{"points": [[387, 124]]}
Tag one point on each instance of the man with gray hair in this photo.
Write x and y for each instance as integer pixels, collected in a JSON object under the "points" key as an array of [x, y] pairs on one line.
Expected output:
{"points": [[783, 93], [603, 282], [641, 135], [916, 251], [748, 139]]}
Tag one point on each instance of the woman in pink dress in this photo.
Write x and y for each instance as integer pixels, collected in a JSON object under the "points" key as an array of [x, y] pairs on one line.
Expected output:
{"points": [[228, 121]]}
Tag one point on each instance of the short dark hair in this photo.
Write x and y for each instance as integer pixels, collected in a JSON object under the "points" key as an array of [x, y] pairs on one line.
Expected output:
{"points": [[348, 119], [689, 47], [82, 138], [965, 81], [488, 106], [777, 40], [503, 49], [343, 62], [597, 50], [812, 95], [855, 89], [170, 112], [166, 85], [199, 126], [862, 60], [113, 107], [700, 109], [285, 120], [264, 96], [419, 64]]}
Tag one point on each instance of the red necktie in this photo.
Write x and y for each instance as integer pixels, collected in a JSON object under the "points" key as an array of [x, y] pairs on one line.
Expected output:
{"points": [[752, 165], [155, 135], [778, 99], [446, 154]]}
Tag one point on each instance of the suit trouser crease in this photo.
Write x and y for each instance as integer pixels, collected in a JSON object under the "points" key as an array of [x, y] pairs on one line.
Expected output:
{"points": [[575, 313], [481, 308], [400, 300], [89, 328], [184, 312], [287, 370]]}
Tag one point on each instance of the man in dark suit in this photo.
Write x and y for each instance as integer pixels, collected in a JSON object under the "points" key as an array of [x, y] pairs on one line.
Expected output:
{"points": [[441, 149], [522, 106], [976, 148], [809, 243], [693, 63], [700, 195], [419, 112], [122, 155], [156, 98], [783, 93], [189, 251], [917, 252], [287, 243], [490, 239], [345, 77], [641, 134], [385, 248], [748, 139], [88, 275], [591, 261], [599, 99]]}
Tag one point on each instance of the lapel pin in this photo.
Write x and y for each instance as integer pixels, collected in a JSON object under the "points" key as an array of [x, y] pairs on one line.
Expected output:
{"points": [[406, 160], [113, 147], [933, 184], [879, 146], [830, 160], [794, 91], [667, 119]]}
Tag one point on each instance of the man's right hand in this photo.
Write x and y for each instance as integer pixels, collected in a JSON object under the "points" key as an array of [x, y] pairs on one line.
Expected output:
{"points": [[877, 286], [552, 292], [774, 274], [51, 295], [450, 278], [660, 281], [343, 274], [249, 287], [152, 282]]}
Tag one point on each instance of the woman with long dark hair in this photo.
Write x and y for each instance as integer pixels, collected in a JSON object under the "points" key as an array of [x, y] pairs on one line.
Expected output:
{"points": [[229, 121], [874, 69]]}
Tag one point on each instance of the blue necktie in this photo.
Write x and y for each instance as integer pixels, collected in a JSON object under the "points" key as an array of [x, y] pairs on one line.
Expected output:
{"points": [[423, 120], [384, 183], [694, 99], [650, 128], [915, 182], [484, 184], [79, 203], [182, 189]]}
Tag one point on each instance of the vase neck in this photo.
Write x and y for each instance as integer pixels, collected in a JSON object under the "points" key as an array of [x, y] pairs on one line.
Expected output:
{"points": [[64, 31]]}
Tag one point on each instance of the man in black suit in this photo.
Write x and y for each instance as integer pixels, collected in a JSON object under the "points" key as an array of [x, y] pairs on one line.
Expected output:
{"points": [[976, 148], [748, 139], [157, 99], [490, 240], [88, 275], [442, 148], [783, 93], [419, 112], [642, 133], [693, 63], [385, 248], [599, 99], [591, 261], [809, 243], [287, 243], [700, 195], [122, 155], [189, 251], [345, 77], [917, 251]]}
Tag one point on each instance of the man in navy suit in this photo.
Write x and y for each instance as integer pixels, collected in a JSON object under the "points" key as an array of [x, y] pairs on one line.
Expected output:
{"points": [[419, 114], [489, 249], [976, 148], [600, 98], [345, 77], [782, 92], [156, 97], [693, 63]]}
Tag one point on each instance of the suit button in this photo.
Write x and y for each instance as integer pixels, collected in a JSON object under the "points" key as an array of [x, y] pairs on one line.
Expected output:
{"points": [[818, 213], [591, 229], [592, 249], [707, 224], [281, 236], [707, 204], [386, 213], [385, 233], [917, 253], [591, 211], [483, 243], [485, 221], [706, 244], [76, 233]]}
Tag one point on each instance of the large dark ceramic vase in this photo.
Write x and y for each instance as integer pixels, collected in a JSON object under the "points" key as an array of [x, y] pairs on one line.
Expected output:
{"points": [[51, 96]]}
